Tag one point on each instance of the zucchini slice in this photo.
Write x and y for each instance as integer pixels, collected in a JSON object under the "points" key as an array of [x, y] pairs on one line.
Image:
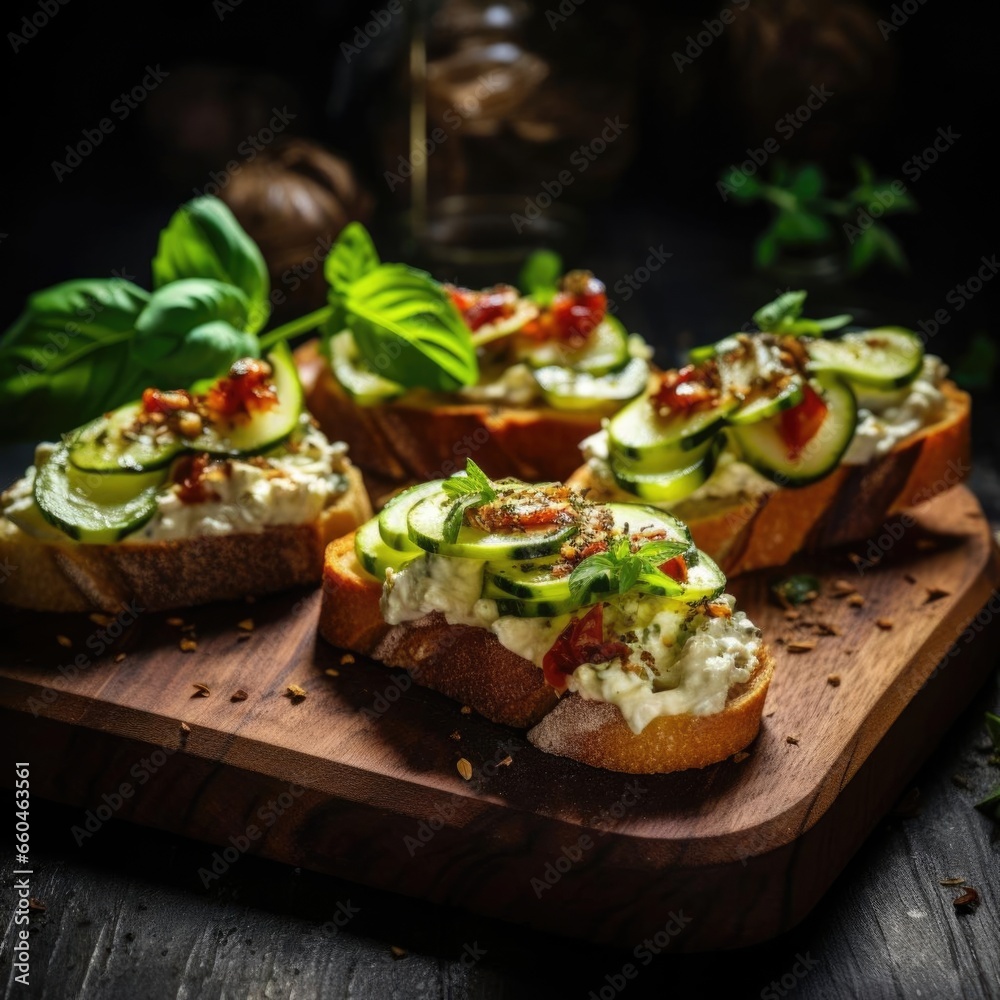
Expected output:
{"points": [[364, 386], [886, 358], [605, 350], [392, 518], [565, 389], [95, 507], [374, 555], [264, 429], [521, 607], [106, 444], [762, 407], [637, 432], [425, 523], [765, 449], [671, 484]]}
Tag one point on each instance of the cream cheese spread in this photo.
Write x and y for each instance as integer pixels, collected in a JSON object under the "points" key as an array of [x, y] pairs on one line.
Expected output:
{"points": [[290, 485], [682, 660]]}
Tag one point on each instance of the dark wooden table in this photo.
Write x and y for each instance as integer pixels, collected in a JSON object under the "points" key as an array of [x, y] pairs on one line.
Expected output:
{"points": [[127, 915]]}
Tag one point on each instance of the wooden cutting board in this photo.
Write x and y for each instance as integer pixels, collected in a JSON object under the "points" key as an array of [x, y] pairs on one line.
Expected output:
{"points": [[359, 778]]}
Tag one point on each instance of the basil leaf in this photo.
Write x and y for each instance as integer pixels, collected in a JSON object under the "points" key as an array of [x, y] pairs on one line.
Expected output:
{"points": [[193, 328], [785, 309], [407, 329], [539, 277], [990, 806], [352, 257], [66, 358], [993, 728], [204, 240]]}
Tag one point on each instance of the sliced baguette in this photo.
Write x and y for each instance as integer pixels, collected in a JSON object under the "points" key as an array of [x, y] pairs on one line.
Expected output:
{"points": [[67, 577], [427, 437], [852, 504], [470, 665]]}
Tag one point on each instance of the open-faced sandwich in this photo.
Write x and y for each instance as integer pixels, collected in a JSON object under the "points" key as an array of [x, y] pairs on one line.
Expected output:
{"points": [[182, 497], [418, 375], [598, 625], [785, 439]]}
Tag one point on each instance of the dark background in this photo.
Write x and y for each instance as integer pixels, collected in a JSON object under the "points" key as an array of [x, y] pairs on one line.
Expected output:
{"points": [[890, 97]]}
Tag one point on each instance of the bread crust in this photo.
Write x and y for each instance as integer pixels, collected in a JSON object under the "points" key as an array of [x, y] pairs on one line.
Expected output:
{"points": [[852, 504], [426, 437], [470, 665], [155, 576], [595, 732]]}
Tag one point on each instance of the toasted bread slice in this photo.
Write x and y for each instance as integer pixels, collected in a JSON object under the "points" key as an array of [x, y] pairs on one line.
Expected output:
{"points": [[470, 665], [752, 531], [56, 576], [425, 436], [595, 732]]}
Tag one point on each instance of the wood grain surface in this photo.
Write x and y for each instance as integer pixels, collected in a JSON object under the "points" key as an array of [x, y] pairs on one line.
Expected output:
{"points": [[359, 778]]}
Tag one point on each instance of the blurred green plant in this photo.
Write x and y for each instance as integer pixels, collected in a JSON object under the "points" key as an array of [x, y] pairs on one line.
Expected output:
{"points": [[991, 804], [806, 216]]}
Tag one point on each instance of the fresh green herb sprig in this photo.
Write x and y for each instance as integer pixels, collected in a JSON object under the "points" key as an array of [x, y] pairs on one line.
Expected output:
{"points": [[784, 316], [404, 323], [991, 804], [805, 215], [83, 347], [540, 275], [470, 490], [619, 569]]}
